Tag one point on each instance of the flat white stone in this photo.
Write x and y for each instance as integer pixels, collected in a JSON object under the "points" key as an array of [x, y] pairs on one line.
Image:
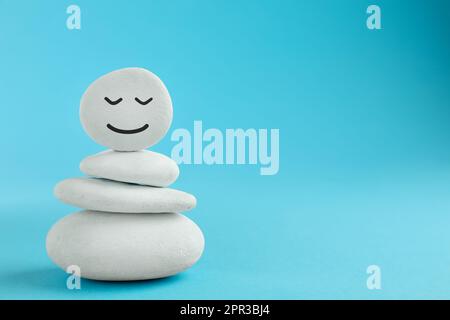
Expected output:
{"points": [[112, 196], [123, 247], [141, 167]]}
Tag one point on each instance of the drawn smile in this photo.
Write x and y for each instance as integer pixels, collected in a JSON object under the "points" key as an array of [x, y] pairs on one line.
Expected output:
{"points": [[122, 131]]}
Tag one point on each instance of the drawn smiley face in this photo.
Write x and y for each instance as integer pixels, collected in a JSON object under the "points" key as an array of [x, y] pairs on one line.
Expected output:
{"points": [[126, 110]]}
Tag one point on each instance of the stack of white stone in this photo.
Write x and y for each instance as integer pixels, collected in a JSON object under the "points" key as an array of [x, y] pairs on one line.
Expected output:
{"points": [[132, 228]]}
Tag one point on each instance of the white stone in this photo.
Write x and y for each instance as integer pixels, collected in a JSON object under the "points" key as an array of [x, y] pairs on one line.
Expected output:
{"points": [[111, 196], [141, 167], [126, 110], [121, 247]]}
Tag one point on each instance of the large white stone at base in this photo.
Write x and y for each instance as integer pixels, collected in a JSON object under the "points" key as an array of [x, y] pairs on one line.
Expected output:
{"points": [[112, 196], [122, 247], [141, 167]]}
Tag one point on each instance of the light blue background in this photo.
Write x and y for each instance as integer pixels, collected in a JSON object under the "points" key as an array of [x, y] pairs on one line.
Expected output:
{"points": [[364, 119]]}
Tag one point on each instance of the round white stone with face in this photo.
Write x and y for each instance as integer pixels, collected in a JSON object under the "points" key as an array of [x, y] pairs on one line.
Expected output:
{"points": [[126, 110]]}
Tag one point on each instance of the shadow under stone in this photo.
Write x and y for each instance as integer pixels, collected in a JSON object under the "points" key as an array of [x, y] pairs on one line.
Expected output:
{"points": [[51, 283]]}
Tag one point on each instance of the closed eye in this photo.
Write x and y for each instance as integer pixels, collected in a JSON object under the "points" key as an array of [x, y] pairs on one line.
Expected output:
{"points": [[113, 102], [143, 102]]}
